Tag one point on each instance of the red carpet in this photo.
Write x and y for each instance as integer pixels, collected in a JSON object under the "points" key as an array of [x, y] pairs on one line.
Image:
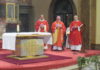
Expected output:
{"points": [[56, 59], [0, 44], [66, 58], [50, 57]]}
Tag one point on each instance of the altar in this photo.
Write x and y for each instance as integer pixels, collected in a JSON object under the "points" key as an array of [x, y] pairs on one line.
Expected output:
{"points": [[26, 44]]}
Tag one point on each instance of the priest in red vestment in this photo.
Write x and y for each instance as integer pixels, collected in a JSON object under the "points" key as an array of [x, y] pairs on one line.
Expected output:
{"points": [[75, 37], [42, 26], [58, 30]]}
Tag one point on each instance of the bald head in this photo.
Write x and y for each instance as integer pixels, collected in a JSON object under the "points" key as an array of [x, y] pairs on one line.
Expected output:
{"points": [[58, 18], [76, 18], [42, 17]]}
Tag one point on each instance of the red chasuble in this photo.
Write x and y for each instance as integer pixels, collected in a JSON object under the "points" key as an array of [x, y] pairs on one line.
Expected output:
{"points": [[41, 23], [75, 34], [58, 33]]}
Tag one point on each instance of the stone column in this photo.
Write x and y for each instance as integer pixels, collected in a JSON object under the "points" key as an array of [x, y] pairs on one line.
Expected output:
{"points": [[2, 29], [85, 18]]}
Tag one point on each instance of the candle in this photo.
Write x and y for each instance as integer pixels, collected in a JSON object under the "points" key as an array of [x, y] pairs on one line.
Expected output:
{"points": [[18, 28], [45, 28]]}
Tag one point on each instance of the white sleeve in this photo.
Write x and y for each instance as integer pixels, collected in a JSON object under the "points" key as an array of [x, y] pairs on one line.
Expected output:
{"points": [[79, 29], [68, 31], [39, 29]]}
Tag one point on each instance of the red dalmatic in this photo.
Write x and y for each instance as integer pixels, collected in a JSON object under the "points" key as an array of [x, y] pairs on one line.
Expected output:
{"points": [[39, 23], [75, 37]]}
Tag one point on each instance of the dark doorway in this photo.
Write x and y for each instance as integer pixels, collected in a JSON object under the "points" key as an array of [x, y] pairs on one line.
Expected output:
{"points": [[64, 8], [24, 22]]}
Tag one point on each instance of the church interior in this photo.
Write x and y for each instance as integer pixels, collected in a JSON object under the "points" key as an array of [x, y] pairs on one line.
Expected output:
{"points": [[18, 16]]}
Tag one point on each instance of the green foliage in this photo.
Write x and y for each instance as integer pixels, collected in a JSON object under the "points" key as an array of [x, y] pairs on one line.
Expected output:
{"points": [[83, 62]]}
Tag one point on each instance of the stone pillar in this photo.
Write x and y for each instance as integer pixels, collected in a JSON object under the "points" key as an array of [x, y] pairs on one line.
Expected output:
{"points": [[92, 23], [85, 18], [2, 29]]}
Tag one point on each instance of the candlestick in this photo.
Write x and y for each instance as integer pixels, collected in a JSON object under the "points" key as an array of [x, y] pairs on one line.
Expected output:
{"points": [[18, 28]]}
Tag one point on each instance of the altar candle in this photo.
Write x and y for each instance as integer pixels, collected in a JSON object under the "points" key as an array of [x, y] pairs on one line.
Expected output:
{"points": [[45, 28], [18, 28]]}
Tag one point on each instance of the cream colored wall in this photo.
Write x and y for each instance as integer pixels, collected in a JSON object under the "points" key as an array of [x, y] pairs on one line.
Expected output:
{"points": [[98, 22], [78, 4], [41, 7]]}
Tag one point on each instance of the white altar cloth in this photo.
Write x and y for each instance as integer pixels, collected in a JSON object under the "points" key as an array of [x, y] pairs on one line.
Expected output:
{"points": [[9, 39]]}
